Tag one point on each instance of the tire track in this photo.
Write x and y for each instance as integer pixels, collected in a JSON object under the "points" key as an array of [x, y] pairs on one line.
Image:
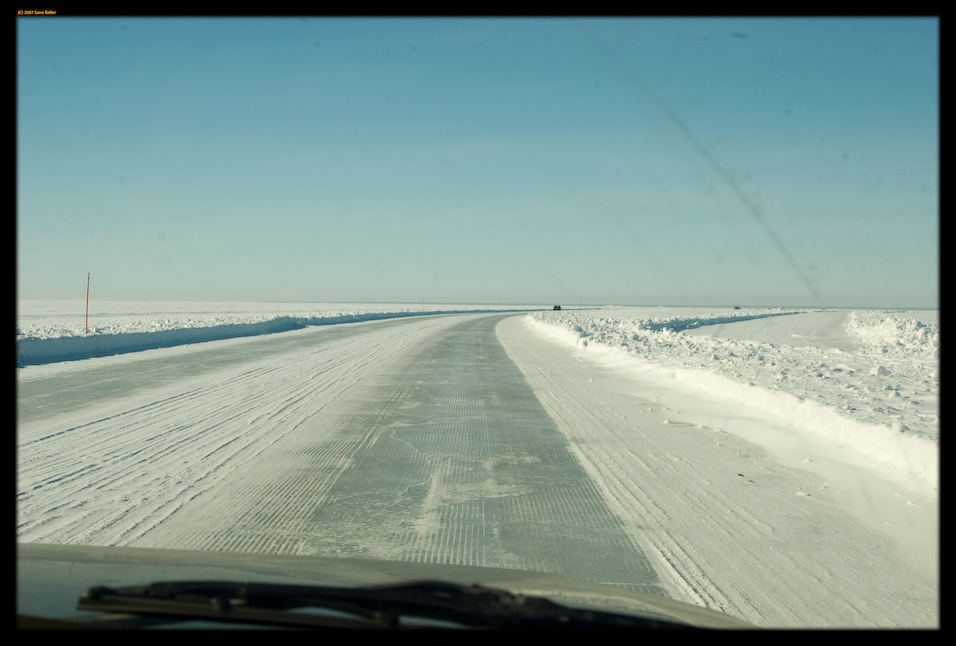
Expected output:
{"points": [[123, 460], [736, 545], [452, 461], [419, 442]]}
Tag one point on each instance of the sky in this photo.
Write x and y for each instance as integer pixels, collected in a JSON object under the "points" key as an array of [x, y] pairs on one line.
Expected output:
{"points": [[650, 161]]}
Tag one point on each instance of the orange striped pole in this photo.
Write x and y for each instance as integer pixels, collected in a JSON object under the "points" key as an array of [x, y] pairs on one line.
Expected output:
{"points": [[87, 303]]}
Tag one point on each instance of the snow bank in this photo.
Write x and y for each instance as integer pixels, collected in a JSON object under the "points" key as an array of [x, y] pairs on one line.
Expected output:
{"points": [[891, 333], [47, 333], [881, 401]]}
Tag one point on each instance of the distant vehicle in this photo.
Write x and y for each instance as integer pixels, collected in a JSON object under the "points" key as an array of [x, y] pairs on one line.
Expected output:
{"points": [[557, 308], [736, 307]]}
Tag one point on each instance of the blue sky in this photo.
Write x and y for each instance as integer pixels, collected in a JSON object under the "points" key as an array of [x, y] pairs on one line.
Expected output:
{"points": [[611, 161]]}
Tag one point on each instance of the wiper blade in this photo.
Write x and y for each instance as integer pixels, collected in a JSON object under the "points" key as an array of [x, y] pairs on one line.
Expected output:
{"points": [[383, 606]]}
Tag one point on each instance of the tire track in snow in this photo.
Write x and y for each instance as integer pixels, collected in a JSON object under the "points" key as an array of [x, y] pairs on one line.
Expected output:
{"points": [[124, 459], [468, 469], [760, 553], [440, 455], [603, 452]]}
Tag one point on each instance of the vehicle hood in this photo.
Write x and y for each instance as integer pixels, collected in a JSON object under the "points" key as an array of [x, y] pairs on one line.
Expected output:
{"points": [[51, 578]]}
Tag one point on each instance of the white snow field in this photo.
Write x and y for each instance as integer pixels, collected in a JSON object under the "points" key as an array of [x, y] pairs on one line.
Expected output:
{"points": [[54, 331], [778, 465]]}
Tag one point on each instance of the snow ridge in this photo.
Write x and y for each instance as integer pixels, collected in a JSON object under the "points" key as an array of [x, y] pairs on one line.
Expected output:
{"points": [[890, 333], [43, 344], [881, 401]]}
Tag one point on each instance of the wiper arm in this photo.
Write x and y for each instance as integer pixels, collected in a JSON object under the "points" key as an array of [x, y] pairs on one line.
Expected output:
{"points": [[379, 606]]}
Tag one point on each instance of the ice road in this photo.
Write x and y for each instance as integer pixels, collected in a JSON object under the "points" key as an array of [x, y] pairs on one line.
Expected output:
{"points": [[464, 439]]}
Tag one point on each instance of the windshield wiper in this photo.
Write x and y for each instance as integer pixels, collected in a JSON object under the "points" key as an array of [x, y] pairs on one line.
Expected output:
{"points": [[376, 606]]}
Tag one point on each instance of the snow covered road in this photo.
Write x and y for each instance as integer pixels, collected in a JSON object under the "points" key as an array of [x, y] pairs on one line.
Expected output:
{"points": [[415, 441], [814, 329], [111, 449], [471, 439]]}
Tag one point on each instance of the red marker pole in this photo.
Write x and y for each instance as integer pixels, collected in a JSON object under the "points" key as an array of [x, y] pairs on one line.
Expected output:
{"points": [[87, 303]]}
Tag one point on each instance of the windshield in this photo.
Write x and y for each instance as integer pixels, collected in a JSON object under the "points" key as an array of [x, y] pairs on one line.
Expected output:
{"points": [[650, 303]]}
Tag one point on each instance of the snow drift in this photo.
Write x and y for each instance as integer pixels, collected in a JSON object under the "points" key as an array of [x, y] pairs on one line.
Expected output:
{"points": [[881, 400], [52, 340]]}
